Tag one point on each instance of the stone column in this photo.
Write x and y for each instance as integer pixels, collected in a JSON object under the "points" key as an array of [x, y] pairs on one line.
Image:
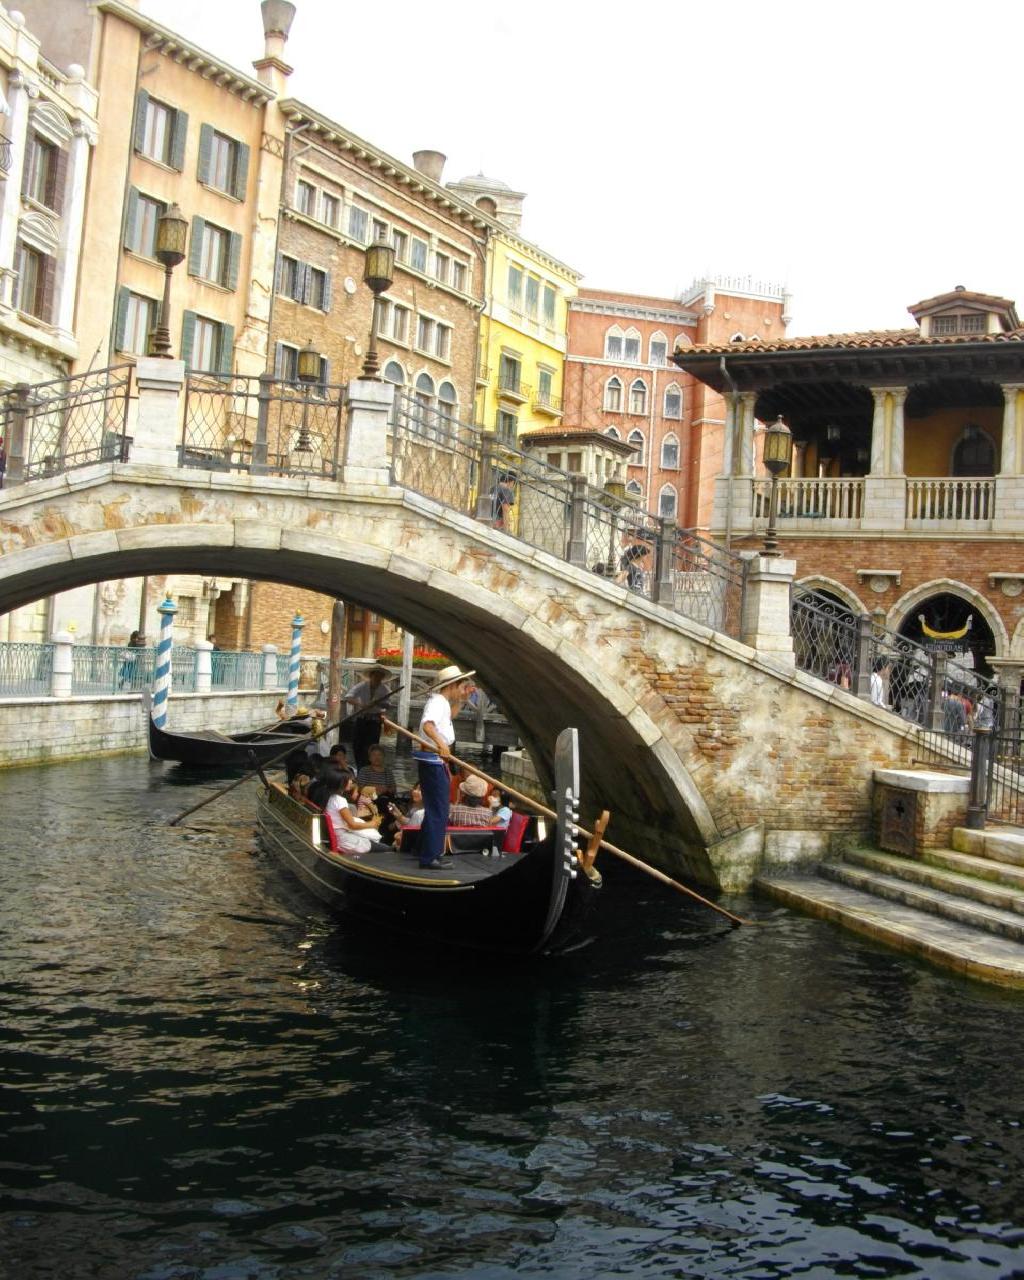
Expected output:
{"points": [[19, 98], [71, 225], [204, 666], [158, 422], [1008, 672], [765, 623], [405, 692], [899, 400], [1010, 459], [63, 664], [366, 456], [878, 441], [745, 460], [729, 439], [270, 666]]}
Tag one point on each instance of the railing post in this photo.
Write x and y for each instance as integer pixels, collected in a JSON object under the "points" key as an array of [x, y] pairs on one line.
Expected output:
{"points": [[17, 435], [936, 718], [862, 658], [269, 667], [664, 565], [62, 671], [977, 809], [370, 405], [485, 494], [578, 519], [259, 447], [159, 384], [765, 623], [204, 666]]}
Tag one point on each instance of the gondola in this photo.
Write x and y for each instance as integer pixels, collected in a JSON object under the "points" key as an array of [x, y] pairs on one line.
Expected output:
{"points": [[534, 901], [211, 749]]}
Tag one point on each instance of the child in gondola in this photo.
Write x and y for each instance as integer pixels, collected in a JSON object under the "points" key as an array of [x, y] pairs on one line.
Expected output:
{"points": [[335, 793]]}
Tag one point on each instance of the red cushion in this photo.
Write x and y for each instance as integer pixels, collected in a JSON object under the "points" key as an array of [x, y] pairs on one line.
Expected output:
{"points": [[515, 832]]}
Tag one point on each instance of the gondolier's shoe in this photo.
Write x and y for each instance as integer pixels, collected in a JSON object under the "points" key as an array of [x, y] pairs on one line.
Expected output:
{"points": [[432, 866]]}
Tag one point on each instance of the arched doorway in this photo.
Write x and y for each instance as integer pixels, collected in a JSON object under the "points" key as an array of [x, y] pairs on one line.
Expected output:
{"points": [[947, 623]]}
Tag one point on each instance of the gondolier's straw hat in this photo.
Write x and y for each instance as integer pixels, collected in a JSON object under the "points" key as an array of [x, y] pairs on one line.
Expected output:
{"points": [[450, 675]]}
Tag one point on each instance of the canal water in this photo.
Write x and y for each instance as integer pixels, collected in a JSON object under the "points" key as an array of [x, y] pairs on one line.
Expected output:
{"points": [[204, 1076]]}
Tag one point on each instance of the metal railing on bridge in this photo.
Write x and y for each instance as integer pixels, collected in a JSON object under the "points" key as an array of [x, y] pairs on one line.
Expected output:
{"points": [[56, 426], [263, 425], [601, 530]]}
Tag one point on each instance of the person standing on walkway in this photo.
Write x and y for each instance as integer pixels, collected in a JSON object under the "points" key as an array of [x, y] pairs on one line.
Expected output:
{"points": [[443, 704], [367, 725]]}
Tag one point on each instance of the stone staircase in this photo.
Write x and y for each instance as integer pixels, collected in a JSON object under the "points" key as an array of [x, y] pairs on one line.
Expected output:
{"points": [[961, 907]]}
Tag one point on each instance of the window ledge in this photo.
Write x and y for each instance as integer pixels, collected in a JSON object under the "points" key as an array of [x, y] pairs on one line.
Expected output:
{"points": [[30, 202], [141, 257], [219, 191], [211, 284], [157, 164]]}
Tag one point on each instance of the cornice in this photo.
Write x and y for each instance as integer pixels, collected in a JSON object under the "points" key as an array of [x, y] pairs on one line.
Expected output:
{"points": [[632, 311]]}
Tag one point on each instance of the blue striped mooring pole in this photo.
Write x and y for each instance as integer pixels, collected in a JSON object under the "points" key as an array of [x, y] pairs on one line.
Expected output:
{"points": [[298, 622], [162, 674]]}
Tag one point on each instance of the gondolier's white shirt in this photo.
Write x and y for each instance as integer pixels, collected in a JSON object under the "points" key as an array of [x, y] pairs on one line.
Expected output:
{"points": [[438, 711]]}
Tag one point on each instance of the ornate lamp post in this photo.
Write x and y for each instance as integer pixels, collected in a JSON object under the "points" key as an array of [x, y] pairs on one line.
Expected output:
{"points": [[778, 449], [307, 369], [378, 274], [171, 239]]}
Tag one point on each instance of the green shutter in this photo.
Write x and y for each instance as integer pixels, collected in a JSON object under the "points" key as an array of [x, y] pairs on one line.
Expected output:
{"points": [[188, 337], [278, 360], [195, 246], [305, 282], [178, 138], [234, 258], [241, 170], [325, 371], [141, 102], [121, 317], [226, 353], [130, 238], [327, 291], [279, 273], [205, 151]]}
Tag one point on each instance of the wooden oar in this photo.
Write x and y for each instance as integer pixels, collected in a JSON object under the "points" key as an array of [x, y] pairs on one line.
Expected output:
{"points": [[736, 921], [298, 741]]}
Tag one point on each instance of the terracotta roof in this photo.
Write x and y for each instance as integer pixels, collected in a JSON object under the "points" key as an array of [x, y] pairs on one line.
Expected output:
{"points": [[550, 434], [960, 294], [871, 339]]}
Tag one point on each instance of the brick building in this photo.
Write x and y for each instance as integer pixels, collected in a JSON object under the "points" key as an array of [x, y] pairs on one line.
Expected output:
{"points": [[905, 498], [619, 380]]}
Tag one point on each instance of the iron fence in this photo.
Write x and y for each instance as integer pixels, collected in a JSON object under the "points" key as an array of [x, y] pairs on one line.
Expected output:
{"points": [[263, 425], [26, 670], [236, 669], [1004, 775], [53, 427], [99, 669]]}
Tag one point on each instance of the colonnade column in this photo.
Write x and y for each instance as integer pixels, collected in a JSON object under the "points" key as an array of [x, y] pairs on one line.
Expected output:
{"points": [[71, 224], [1010, 456], [899, 400], [745, 461], [878, 450]]}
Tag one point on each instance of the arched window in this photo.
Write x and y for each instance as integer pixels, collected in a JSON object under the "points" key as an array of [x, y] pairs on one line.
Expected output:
{"points": [[673, 401], [425, 399], [670, 452], [737, 337], [974, 454], [638, 396], [635, 489], [657, 349], [613, 343], [667, 501], [613, 395], [631, 346], [393, 372], [636, 439], [612, 432], [681, 340], [447, 402]]}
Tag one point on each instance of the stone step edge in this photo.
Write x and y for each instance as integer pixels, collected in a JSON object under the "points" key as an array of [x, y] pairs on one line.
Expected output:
{"points": [[919, 871], [1005, 924], [988, 869], [1000, 846], [860, 914]]}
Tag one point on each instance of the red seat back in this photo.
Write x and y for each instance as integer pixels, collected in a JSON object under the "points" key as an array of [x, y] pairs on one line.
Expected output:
{"points": [[514, 833], [326, 825]]}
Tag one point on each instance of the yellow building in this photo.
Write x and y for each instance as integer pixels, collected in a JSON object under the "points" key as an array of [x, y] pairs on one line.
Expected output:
{"points": [[524, 322]]}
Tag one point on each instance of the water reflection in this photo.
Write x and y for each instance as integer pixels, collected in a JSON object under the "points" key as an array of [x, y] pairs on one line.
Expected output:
{"points": [[205, 1077]]}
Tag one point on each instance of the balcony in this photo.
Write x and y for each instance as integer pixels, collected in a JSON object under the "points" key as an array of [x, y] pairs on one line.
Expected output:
{"points": [[510, 388], [545, 402]]}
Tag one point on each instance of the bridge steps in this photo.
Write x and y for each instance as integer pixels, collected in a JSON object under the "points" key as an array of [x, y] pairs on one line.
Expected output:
{"points": [[962, 908]]}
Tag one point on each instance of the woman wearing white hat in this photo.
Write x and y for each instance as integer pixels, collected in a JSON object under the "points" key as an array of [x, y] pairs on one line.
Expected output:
{"points": [[443, 703]]}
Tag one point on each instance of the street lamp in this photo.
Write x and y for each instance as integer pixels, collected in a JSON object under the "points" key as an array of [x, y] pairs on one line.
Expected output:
{"points": [[378, 273], [171, 239], [307, 370], [778, 449]]}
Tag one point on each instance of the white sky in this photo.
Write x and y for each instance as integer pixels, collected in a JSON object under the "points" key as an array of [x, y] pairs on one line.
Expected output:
{"points": [[866, 153]]}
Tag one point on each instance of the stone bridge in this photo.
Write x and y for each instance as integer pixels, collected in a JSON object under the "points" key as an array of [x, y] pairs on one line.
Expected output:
{"points": [[717, 758]]}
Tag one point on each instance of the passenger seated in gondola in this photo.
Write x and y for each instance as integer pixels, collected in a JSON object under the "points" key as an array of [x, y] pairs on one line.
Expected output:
{"points": [[375, 773], [334, 793], [472, 809], [502, 810], [412, 818], [298, 719], [338, 756]]}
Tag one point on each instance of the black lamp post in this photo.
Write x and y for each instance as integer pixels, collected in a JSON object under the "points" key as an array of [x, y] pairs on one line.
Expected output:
{"points": [[171, 239], [307, 370], [378, 274], [778, 449]]}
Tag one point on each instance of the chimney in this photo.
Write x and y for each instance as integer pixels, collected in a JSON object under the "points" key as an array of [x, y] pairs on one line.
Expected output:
{"points": [[271, 69], [429, 163]]}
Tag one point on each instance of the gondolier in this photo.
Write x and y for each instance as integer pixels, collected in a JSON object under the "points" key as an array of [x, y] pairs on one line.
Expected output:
{"points": [[443, 703], [367, 724]]}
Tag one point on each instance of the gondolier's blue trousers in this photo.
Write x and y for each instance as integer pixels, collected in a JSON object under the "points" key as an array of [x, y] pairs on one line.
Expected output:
{"points": [[434, 783]]}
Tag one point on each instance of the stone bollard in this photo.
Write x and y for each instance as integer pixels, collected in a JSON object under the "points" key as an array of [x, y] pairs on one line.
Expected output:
{"points": [[158, 425], [204, 666], [269, 666], [765, 624], [63, 664], [369, 406]]}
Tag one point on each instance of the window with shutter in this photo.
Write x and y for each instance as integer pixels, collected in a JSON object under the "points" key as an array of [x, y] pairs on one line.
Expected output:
{"points": [[226, 352], [188, 335], [179, 136], [234, 260], [195, 247], [205, 152], [121, 317]]}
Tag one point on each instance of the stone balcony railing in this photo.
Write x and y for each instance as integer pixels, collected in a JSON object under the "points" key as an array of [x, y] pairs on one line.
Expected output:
{"points": [[911, 503]]}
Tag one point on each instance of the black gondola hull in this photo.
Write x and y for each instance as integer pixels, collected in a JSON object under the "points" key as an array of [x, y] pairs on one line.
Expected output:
{"points": [[232, 751]]}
